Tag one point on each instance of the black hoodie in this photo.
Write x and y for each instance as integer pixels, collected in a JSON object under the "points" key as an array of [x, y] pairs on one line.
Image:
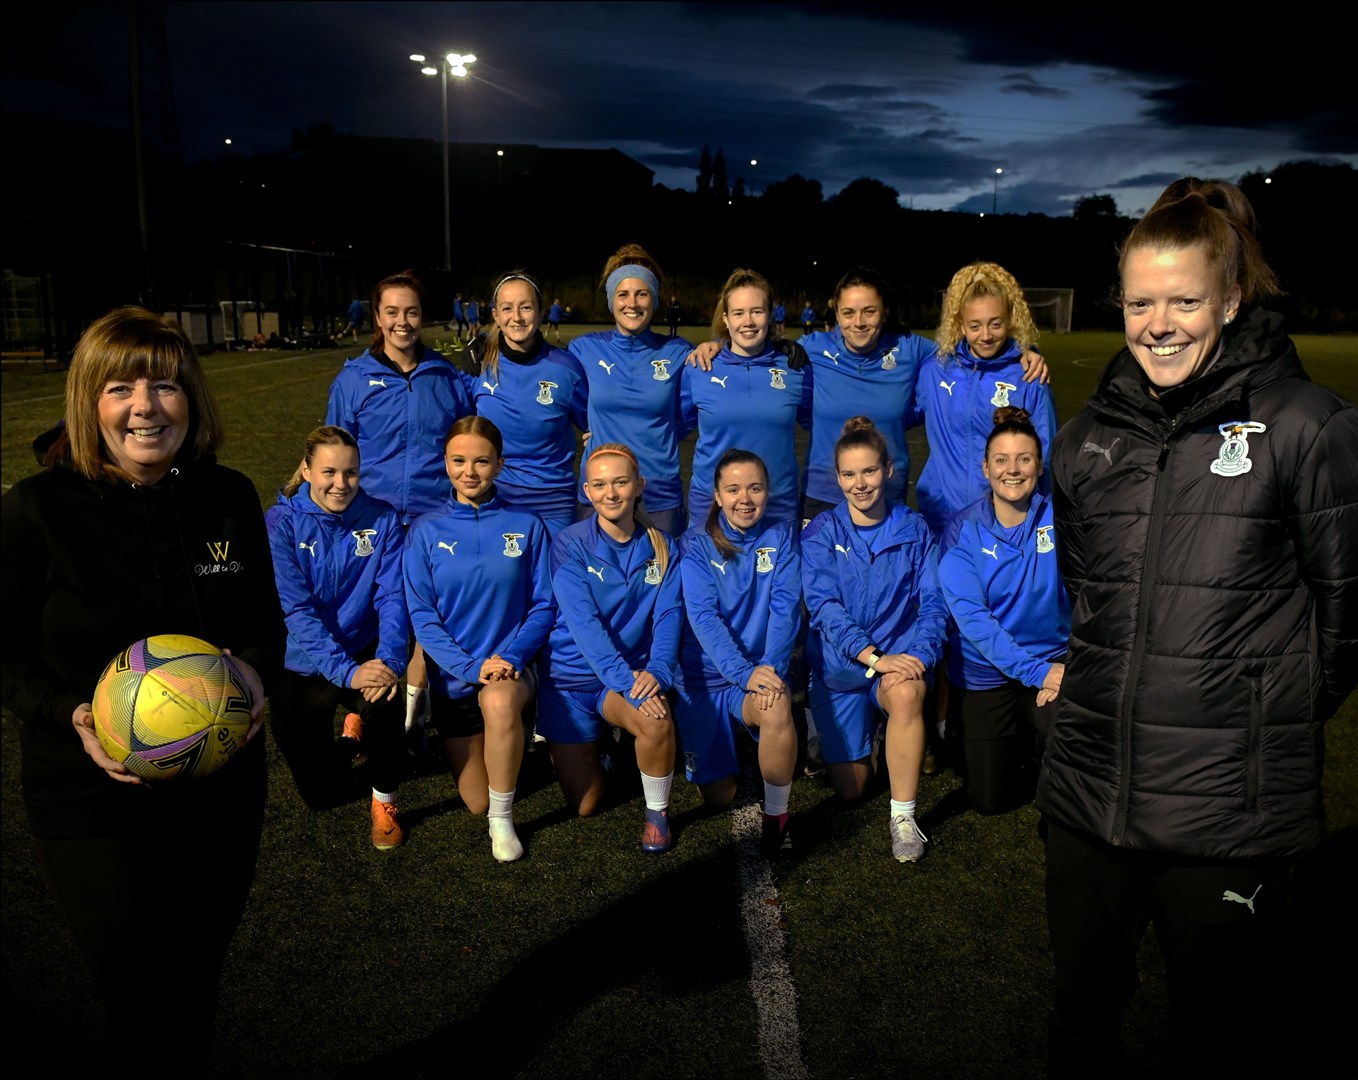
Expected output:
{"points": [[90, 566]]}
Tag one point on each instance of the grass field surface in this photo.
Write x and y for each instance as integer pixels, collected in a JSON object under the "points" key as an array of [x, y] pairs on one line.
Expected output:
{"points": [[588, 959]]}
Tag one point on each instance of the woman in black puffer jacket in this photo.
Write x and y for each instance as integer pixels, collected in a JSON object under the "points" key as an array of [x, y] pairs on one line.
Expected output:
{"points": [[1207, 505]]}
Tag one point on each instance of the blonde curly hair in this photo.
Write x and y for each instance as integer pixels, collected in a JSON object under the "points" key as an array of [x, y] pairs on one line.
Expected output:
{"points": [[971, 283]]}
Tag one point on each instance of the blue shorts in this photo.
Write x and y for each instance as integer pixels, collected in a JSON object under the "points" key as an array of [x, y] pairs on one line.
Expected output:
{"points": [[847, 719], [570, 716], [707, 722]]}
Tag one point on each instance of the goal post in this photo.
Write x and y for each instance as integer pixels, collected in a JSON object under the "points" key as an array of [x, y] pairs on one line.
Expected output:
{"points": [[1052, 308]]}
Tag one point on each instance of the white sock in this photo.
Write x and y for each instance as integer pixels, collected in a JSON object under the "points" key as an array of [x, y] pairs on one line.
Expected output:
{"points": [[382, 796], [902, 809], [501, 804], [775, 798], [417, 698], [657, 790]]}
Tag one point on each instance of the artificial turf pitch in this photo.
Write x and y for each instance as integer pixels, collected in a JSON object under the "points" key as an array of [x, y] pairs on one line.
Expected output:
{"points": [[589, 959]]}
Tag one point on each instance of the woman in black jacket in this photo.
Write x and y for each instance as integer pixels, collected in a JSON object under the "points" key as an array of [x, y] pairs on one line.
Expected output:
{"points": [[1206, 504], [134, 530]]}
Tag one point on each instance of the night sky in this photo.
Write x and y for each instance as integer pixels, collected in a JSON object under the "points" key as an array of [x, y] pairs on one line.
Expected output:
{"points": [[1068, 101]]}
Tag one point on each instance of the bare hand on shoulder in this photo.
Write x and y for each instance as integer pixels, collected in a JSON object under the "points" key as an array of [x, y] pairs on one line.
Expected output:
{"points": [[703, 355]]}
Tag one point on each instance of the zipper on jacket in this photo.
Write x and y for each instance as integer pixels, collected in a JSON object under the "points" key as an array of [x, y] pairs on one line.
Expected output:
{"points": [[1134, 669], [1252, 744]]}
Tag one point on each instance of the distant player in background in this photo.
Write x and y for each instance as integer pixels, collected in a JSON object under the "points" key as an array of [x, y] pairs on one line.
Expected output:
{"points": [[473, 310], [674, 313], [553, 319], [354, 317], [460, 319], [808, 318], [779, 318]]}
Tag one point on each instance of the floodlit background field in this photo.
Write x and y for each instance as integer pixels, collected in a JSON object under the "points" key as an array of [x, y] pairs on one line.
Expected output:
{"points": [[589, 959]]}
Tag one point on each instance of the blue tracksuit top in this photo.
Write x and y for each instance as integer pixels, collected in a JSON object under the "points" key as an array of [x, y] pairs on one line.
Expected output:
{"points": [[614, 617], [880, 386], [554, 315], [478, 585], [856, 598], [1006, 595], [634, 385], [742, 612], [473, 312], [537, 405], [808, 315], [750, 402], [457, 310], [779, 313], [339, 580], [957, 402], [399, 422]]}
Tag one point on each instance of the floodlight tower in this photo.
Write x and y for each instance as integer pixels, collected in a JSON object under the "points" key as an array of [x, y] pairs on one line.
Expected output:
{"points": [[995, 196], [454, 64]]}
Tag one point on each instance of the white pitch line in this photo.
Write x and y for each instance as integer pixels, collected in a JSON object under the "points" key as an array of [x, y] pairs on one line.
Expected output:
{"points": [[775, 995]]}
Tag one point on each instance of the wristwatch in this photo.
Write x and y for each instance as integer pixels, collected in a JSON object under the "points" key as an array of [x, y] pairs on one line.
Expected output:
{"points": [[874, 658]]}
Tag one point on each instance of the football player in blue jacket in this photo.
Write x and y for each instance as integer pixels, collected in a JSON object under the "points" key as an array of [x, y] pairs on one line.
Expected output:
{"points": [[634, 377], [977, 367], [480, 599], [397, 400], [613, 651], [750, 398], [337, 562], [870, 578], [536, 395], [1002, 584], [743, 597]]}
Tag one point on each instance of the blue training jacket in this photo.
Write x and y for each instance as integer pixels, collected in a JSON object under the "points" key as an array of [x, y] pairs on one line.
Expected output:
{"points": [[537, 405], [1008, 601], [478, 585], [880, 386], [754, 403], [616, 612], [634, 385], [742, 612], [876, 589], [399, 422], [957, 400], [339, 580]]}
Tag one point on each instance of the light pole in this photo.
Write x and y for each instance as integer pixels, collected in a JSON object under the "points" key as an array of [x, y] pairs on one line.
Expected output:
{"points": [[455, 64], [995, 196], [754, 192]]}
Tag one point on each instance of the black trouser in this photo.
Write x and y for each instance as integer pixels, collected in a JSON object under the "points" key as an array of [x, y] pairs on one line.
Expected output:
{"points": [[302, 710], [1003, 732], [1218, 924], [153, 907]]}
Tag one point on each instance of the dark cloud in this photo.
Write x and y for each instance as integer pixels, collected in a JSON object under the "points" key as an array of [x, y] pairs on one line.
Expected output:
{"points": [[849, 92], [1152, 179], [1026, 84]]}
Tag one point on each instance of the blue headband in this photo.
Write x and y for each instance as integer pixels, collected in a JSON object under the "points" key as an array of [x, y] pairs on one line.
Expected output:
{"points": [[630, 270]]}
